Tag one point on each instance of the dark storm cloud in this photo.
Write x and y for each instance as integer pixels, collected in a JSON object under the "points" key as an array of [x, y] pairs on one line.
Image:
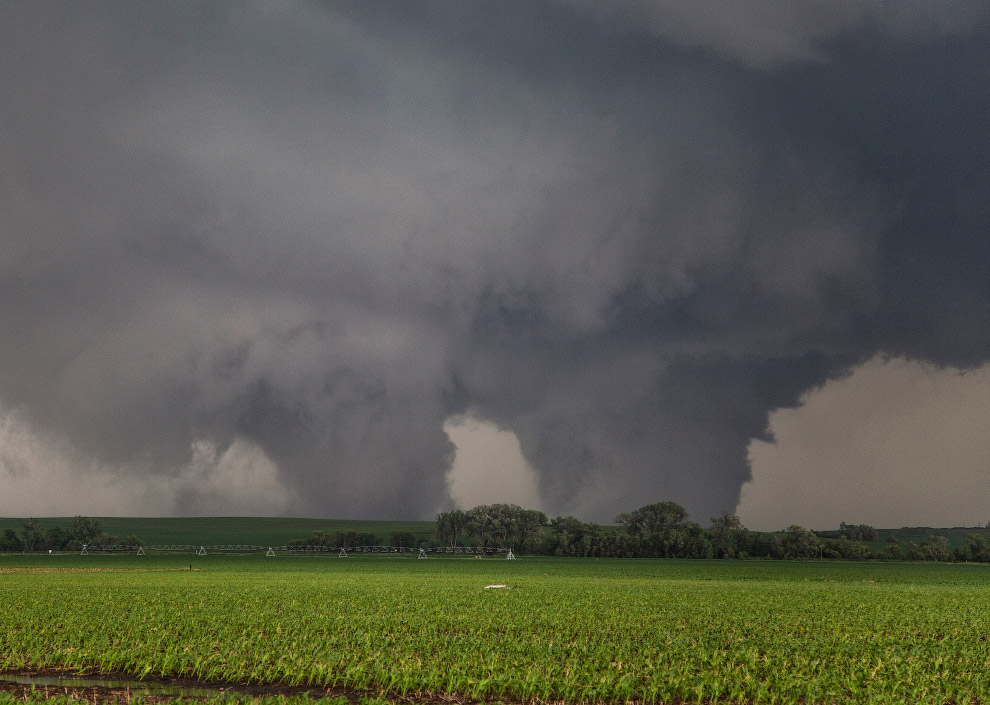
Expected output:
{"points": [[625, 236], [762, 33]]}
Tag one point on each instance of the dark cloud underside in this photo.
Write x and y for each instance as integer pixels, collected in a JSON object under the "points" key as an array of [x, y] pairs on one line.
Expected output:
{"points": [[625, 235]]}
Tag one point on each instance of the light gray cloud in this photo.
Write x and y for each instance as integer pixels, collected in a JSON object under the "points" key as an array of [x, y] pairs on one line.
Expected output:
{"points": [[43, 476], [489, 467], [894, 444]]}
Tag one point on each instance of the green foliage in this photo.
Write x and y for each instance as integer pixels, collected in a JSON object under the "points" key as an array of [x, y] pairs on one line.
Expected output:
{"points": [[402, 539], [724, 532], [341, 539], [450, 526], [978, 548], [36, 535], [846, 550], [935, 548], [33, 535], [260, 531], [10, 541], [86, 530], [657, 530], [857, 532], [575, 630], [801, 543], [663, 524], [497, 525]]}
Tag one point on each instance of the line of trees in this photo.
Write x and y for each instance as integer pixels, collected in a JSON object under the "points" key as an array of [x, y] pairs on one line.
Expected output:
{"points": [[84, 531], [663, 530], [338, 539], [656, 530], [494, 525]]}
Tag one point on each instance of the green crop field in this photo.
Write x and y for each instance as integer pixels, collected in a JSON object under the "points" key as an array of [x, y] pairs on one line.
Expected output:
{"points": [[579, 630]]}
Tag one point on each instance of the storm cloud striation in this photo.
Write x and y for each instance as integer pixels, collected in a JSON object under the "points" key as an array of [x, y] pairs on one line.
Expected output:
{"points": [[321, 230]]}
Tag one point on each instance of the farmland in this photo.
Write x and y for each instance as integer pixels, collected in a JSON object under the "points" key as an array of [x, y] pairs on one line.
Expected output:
{"points": [[574, 630]]}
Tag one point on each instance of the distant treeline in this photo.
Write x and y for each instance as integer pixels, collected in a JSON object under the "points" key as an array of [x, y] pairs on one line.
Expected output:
{"points": [[662, 530], [354, 538], [83, 531]]}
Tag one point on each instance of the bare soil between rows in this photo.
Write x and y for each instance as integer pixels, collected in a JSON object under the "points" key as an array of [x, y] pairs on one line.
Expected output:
{"points": [[104, 695]]}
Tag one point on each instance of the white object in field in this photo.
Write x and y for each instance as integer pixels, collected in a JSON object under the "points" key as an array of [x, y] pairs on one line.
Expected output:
{"points": [[343, 553], [496, 587], [270, 552], [201, 551], [140, 551], [422, 553], [510, 557]]}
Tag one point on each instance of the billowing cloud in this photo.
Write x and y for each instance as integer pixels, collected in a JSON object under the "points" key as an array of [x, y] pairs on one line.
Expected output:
{"points": [[41, 476], [897, 443], [489, 467], [325, 230]]}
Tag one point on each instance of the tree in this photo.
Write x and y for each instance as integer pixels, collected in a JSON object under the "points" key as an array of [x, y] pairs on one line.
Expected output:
{"points": [[10, 542], [936, 548], [503, 522], [450, 525], [401, 539], [529, 529], [663, 524], [858, 532], [848, 550], [86, 530], [33, 535], [697, 542], [801, 543], [57, 538], [723, 533], [915, 552], [566, 532], [350, 539], [978, 548], [504, 525]]}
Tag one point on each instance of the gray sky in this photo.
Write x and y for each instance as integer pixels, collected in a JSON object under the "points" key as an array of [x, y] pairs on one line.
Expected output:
{"points": [[255, 256]]}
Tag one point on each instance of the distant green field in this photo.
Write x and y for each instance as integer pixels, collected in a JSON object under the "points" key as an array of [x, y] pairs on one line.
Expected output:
{"points": [[260, 531], [571, 630]]}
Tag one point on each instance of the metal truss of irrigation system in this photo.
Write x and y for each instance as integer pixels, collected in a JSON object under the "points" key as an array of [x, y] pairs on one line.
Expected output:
{"points": [[341, 551]]}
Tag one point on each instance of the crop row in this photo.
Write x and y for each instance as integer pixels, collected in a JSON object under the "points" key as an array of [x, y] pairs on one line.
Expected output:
{"points": [[580, 631]]}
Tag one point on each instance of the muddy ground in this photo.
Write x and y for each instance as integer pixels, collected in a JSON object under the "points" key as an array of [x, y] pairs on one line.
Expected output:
{"points": [[103, 695]]}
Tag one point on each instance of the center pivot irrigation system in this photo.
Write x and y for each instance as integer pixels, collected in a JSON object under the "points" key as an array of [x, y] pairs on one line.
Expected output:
{"points": [[341, 551]]}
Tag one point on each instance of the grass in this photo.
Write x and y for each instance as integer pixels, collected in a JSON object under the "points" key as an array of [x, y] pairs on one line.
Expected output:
{"points": [[577, 630]]}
